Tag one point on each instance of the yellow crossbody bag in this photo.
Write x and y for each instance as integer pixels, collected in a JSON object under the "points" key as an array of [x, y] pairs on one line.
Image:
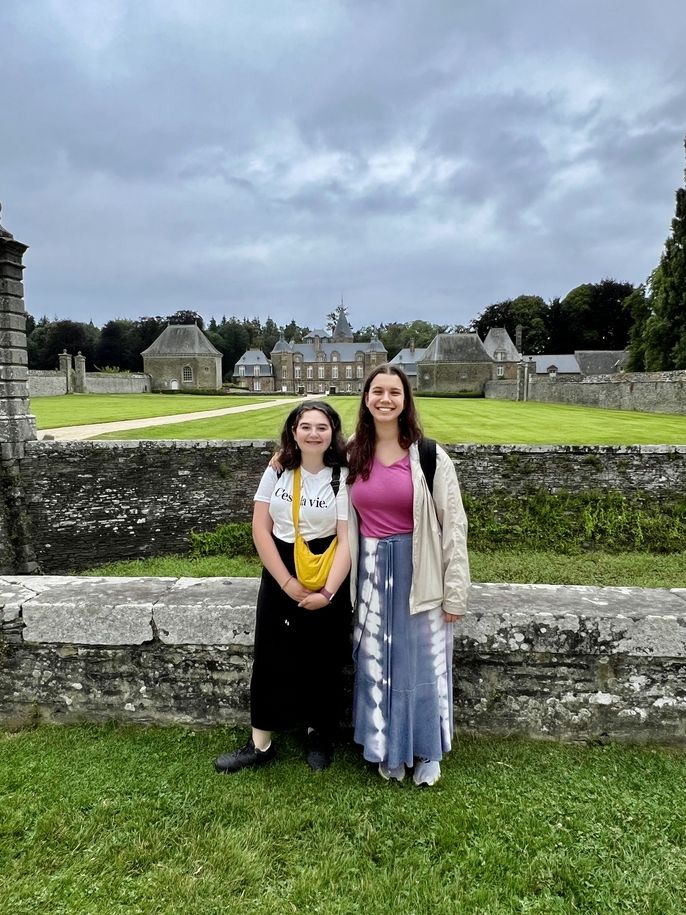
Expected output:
{"points": [[311, 569]]}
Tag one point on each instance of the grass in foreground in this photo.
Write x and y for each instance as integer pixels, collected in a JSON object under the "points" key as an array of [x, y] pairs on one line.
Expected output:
{"points": [[638, 570], [83, 409], [447, 420], [106, 820]]}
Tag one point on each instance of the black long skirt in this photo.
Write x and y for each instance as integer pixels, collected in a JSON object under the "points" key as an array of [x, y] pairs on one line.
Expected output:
{"points": [[297, 676]]}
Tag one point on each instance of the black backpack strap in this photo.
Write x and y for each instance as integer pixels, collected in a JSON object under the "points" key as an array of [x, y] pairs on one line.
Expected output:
{"points": [[335, 479], [427, 458]]}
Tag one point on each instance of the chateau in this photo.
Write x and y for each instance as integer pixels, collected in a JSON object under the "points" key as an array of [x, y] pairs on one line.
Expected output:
{"points": [[323, 363]]}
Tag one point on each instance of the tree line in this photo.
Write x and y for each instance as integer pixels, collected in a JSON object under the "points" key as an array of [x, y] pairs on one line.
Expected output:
{"points": [[649, 320]]}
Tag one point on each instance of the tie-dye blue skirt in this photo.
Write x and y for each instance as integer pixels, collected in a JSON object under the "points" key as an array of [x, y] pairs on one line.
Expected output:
{"points": [[403, 695]]}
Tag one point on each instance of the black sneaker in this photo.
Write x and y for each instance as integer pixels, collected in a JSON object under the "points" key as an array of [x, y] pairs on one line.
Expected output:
{"points": [[247, 757], [319, 751]]}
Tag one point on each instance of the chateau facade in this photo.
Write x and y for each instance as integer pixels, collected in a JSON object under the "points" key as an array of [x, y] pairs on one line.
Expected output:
{"points": [[323, 363]]}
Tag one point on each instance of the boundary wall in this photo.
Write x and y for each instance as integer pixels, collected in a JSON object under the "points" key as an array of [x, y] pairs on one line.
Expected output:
{"points": [[648, 392], [94, 502], [574, 663]]}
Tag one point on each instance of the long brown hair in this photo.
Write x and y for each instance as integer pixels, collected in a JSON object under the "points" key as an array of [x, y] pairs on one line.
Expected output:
{"points": [[289, 453], [361, 448]]}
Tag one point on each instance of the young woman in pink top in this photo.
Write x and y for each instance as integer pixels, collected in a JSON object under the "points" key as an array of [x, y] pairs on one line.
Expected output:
{"points": [[409, 583]]}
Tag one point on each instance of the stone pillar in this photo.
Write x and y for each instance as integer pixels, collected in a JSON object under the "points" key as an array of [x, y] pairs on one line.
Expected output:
{"points": [[80, 373], [17, 425], [66, 369]]}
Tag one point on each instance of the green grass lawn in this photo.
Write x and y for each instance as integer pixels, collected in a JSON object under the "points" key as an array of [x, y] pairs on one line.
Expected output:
{"points": [[112, 820], [447, 420], [637, 570], [83, 409]]}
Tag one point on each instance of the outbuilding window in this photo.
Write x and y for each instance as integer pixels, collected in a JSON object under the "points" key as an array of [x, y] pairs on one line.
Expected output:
{"points": [[187, 373]]}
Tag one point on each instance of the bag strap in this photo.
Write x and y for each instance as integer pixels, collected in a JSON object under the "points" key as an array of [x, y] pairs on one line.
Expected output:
{"points": [[296, 498], [427, 459], [335, 485]]}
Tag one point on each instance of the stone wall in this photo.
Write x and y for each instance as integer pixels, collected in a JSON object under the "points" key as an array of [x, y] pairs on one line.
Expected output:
{"points": [[650, 392], [51, 383], [94, 502], [444, 377], [534, 660]]}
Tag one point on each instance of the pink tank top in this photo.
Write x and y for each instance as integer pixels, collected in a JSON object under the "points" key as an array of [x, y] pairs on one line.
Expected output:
{"points": [[384, 501]]}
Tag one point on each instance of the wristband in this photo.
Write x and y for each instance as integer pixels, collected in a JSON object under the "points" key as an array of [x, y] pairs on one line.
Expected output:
{"points": [[283, 586], [327, 594]]}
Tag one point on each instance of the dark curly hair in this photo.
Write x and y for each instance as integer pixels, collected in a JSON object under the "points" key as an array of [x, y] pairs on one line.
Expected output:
{"points": [[289, 454], [362, 445]]}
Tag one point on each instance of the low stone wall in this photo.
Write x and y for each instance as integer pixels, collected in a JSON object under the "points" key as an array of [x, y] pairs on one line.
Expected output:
{"points": [[46, 384], [533, 660], [650, 392], [95, 502], [103, 383]]}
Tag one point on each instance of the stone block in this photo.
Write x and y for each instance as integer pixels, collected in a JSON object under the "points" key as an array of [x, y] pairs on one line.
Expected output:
{"points": [[11, 451], [15, 590], [17, 429], [14, 373], [208, 611], [94, 611], [11, 339], [14, 356], [14, 407], [13, 304], [15, 390], [15, 322], [11, 287]]}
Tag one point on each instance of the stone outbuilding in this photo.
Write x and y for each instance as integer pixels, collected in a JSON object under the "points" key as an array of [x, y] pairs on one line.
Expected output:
{"points": [[453, 363], [498, 344], [182, 358]]}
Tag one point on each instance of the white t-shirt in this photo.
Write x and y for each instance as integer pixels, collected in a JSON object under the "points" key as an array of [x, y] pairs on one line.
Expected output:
{"points": [[318, 512]]}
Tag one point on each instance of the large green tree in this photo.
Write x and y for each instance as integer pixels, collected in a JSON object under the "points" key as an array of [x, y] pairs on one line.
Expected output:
{"points": [[48, 340], [531, 311], [591, 316], [665, 327]]}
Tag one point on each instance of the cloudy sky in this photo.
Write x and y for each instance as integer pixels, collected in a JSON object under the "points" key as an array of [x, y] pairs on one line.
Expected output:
{"points": [[419, 158]]}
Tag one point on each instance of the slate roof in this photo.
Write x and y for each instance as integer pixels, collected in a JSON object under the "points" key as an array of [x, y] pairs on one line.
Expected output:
{"points": [[343, 329], [498, 340], [251, 358], [601, 361], [407, 359], [318, 332], [456, 348], [181, 340], [564, 364], [346, 351]]}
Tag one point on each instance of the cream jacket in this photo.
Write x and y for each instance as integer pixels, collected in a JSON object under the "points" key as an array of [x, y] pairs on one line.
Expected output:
{"points": [[440, 567]]}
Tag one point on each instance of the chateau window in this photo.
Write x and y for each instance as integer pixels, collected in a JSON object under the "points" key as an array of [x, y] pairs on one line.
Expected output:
{"points": [[321, 372], [348, 388], [309, 389], [334, 357], [334, 373], [296, 371], [309, 374], [256, 371], [321, 388], [360, 371], [359, 357], [256, 386], [187, 373], [284, 372], [348, 371], [320, 357]]}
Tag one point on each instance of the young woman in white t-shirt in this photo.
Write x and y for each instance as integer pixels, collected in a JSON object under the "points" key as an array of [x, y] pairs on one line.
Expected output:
{"points": [[301, 636]]}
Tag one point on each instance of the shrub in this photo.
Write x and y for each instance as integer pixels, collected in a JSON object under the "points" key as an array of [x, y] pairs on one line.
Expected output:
{"points": [[226, 540]]}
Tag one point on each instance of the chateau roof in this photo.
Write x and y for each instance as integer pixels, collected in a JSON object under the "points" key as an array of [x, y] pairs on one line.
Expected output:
{"points": [[456, 348], [346, 351], [320, 332], [601, 361], [563, 363], [343, 330], [181, 340], [251, 358], [407, 359], [499, 341]]}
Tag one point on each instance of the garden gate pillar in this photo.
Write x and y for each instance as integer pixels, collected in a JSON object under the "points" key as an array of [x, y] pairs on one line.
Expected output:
{"points": [[17, 426]]}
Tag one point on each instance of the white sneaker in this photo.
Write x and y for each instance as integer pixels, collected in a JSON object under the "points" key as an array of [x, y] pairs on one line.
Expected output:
{"points": [[426, 772], [398, 774]]}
